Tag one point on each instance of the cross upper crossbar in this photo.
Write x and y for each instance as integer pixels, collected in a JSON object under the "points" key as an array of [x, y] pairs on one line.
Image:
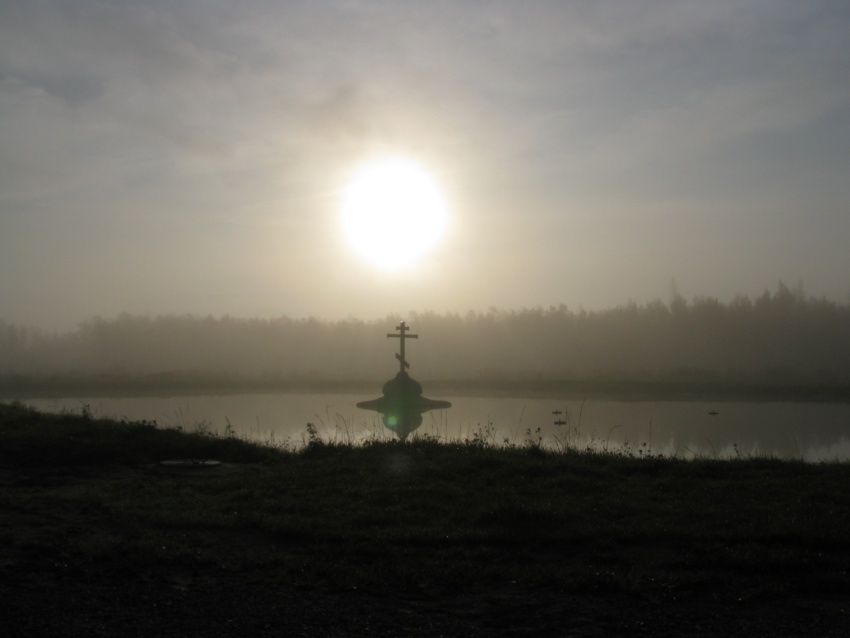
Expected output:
{"points": [[401, 336]]}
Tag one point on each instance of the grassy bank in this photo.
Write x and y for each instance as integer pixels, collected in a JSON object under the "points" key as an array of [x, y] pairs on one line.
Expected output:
{"points": [[423, 538]]}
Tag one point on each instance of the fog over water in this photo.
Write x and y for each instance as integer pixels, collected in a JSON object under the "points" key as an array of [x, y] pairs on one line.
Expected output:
{"points": [[251, 374], [780, 336], [809, 431]]}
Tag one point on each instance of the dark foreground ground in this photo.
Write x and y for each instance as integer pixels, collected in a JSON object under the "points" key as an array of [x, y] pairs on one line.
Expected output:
{"points": [[97, 538]]}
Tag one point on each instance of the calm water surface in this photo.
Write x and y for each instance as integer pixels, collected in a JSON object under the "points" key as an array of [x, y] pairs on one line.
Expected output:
{"points": [[811, 431]]}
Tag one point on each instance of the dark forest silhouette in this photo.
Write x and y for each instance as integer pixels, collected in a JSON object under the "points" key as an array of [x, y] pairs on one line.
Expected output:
{"points": [[777, 337]]}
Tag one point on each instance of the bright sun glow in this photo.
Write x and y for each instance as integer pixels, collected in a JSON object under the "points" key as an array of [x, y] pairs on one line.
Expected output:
{"points": [[393, 213]]}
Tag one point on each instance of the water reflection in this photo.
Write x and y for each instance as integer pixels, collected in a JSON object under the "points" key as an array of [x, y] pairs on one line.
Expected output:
{"points": [[684, 429]]}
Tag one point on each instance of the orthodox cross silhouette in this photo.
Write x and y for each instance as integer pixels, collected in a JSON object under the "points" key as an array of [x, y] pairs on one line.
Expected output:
{"points": [[402, 328], [402, 403]]}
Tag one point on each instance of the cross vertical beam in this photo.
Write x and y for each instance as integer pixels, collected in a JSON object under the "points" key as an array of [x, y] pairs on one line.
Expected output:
{"points": [[401, 336]]}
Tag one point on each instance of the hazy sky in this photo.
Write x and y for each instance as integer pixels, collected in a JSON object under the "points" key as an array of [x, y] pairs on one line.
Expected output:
{"points": [[188, 157]]}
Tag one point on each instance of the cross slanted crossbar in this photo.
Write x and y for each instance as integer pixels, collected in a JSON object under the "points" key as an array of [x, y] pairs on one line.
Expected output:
{"points": [[402, 335]]}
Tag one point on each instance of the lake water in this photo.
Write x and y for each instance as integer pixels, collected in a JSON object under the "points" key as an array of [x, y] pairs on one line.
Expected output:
{"points": [[810, 431]]}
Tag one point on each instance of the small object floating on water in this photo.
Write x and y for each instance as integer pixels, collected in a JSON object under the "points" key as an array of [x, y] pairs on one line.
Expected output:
{"points": [[713, 413]]}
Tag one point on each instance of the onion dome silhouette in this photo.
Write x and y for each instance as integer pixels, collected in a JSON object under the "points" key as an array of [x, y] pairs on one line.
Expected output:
{"points": [[402, 404]]}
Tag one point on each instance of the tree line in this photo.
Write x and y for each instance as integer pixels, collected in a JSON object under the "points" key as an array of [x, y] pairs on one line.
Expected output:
{"points": [[778, 337]]}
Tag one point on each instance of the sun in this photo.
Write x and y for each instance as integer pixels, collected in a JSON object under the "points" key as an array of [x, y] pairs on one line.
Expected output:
{"points": [[393, 213]]}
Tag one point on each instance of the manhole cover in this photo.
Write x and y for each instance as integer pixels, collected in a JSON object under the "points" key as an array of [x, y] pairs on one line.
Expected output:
{"points": [[190, 463]]}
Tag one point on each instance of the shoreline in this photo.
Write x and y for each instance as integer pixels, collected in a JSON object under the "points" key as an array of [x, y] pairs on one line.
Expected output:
{"points": [[414, 539]]}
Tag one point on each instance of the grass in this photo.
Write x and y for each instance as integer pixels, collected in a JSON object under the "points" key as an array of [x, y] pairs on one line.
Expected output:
{"points": [[87, 502]]}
